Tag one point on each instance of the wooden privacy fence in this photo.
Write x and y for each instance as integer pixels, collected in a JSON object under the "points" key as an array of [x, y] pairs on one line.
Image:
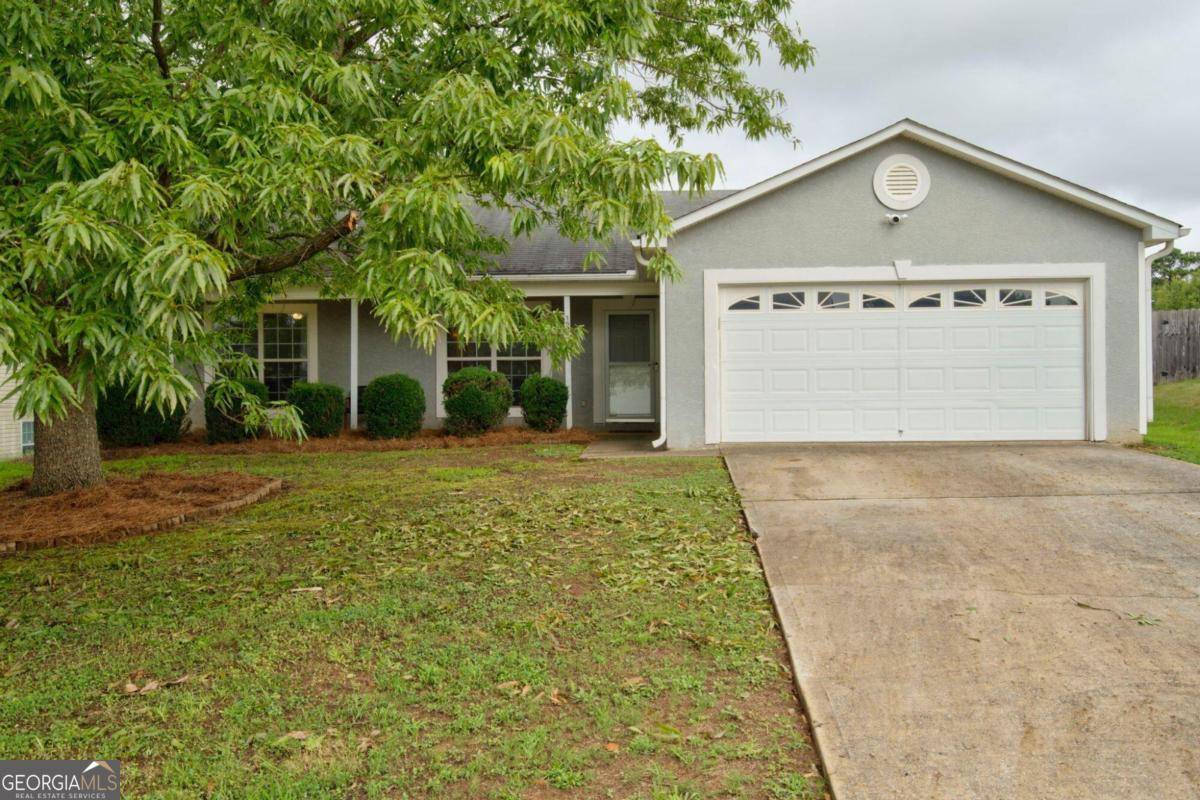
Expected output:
{"points": [[1176, 345]]}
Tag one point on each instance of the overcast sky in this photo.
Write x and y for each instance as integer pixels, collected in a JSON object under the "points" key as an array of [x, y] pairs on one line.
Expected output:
{"points": [[1105, 93]]}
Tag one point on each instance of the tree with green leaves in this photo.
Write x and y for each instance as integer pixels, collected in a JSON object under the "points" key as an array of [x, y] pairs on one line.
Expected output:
{"points": [[167, 164], [1174, 278], [1179, 264]]}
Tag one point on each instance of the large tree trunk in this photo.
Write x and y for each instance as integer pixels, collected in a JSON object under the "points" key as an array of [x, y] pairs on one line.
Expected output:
{"points": [[66, 452]]}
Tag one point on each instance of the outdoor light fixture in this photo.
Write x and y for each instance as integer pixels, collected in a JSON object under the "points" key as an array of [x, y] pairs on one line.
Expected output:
{"points": [[297, 315]]}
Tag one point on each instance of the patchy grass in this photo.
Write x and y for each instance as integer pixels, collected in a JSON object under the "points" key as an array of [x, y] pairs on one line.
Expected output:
{"points": [[503, 622], [1175, 431]]}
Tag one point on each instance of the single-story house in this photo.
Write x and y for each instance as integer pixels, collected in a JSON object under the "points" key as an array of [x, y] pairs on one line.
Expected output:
{"points": [[908, 286]]}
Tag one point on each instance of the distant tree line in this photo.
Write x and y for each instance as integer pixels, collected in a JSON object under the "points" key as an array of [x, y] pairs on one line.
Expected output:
{"points": [[1176, 284]]}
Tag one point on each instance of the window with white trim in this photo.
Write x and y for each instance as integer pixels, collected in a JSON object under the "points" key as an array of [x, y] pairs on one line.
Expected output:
{"points": [[515, 362], [970, 298], [1016, 298], [26, 436], [285, 351], [877, 300], [833, 301], [750, 303], [931, 300], [787, 300], [281, 340], [1054, 298]]}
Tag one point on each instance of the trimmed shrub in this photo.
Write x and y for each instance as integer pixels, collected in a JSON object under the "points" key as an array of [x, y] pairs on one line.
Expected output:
{"points": [[121, 422], [476, 401], [322, 407], [544, 402], [393, 407], [222, 427]]}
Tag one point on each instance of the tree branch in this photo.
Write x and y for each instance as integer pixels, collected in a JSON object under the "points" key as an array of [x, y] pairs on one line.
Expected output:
{"points": [[160, 53], [319, 242]]}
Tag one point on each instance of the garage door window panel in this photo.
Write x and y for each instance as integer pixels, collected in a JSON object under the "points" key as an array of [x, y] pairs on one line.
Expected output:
{"points": [[930, 300], [1016, 298], [1054, 298], [787, 301], [970, 298], [833, 301], [875, 301], [748, 303]]}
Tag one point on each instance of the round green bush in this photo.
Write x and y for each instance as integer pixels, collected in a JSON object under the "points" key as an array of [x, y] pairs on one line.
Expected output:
{"points": [[476, 400], [121, 422], [393, 406], [322, 407], [544, 402], [229, 427]]}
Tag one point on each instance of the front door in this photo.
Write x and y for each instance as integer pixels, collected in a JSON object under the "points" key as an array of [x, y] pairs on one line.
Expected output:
{"points": [[631, 366]]}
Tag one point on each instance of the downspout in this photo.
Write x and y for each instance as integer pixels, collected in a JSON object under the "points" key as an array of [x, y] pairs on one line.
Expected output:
{"points": [[1148, 330], [639, 255]]}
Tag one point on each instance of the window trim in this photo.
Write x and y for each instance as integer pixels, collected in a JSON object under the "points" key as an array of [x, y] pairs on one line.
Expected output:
{"points": [[310, 315], [310, 312], [27, 445], [442, 352]]}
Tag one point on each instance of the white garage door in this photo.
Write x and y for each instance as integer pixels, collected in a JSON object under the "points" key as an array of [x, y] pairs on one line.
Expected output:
{"points": [[906, 362]]}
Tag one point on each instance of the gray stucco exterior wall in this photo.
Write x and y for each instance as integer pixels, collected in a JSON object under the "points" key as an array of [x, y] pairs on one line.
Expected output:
{"points": [[833, 219]]}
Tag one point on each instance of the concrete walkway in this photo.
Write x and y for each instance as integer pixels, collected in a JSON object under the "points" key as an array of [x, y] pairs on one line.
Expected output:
{"points": [[988, 621]]}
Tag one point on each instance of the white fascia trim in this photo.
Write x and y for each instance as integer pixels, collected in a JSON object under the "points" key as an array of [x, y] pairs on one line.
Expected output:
{"points": [[1155, 228], [1091, 273]]}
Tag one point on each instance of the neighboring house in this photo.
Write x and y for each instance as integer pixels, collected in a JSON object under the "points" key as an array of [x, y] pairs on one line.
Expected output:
{"points": [[909, 286], [16, 434]]}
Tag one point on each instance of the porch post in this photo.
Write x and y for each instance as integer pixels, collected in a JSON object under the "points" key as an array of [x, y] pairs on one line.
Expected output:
{"points": [[567, 367], [353, 364]]}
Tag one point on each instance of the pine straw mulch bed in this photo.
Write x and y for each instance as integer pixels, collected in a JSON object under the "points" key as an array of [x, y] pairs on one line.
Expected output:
{"points": [[354, 441], [123, 506]]}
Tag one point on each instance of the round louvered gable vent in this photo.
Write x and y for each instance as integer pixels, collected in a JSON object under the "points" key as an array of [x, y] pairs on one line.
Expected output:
{"points": [[901, 182]]}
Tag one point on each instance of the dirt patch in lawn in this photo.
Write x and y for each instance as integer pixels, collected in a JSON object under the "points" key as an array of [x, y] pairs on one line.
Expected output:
{"points": [[122, 507], [354, 441]]}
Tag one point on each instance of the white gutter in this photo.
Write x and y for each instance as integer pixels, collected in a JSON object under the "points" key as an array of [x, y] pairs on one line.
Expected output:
{"points": [[1147, 331], [639, 255]]}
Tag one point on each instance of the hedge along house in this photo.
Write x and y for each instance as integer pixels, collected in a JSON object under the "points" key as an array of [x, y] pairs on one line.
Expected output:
{"points": [[909, 286]]}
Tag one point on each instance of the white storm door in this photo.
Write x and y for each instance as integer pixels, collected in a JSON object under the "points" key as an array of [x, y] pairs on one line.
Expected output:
{"points": [[630, 366]]}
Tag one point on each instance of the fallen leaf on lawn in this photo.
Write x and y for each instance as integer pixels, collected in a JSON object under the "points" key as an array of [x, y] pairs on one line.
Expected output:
{"points": [[184, 678], [309, 589], [149, 687], [554, 698], [12, 623], [525, 690], [290, 735], [130, 688], [634, 682], [504, 687], [365, 743], [667, 732], [612, 747]]}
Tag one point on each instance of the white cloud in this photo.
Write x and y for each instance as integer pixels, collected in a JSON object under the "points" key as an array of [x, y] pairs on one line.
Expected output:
{"points": [[1104, 93]]}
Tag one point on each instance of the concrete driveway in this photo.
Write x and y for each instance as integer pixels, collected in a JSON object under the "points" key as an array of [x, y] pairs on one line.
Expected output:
{"points": [[988, 621]]}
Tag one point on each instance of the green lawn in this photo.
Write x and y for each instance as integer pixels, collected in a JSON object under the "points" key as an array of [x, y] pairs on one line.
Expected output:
{"points": [[1175, 431], [477, 623]]}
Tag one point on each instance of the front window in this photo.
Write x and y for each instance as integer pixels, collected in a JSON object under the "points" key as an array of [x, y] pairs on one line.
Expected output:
{"points": [[26, 437], [515, 362], [285, 351], [281, 341]]}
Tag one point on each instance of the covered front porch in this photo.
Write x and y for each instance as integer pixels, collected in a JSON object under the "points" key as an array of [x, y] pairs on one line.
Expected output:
{"points": [[615, 382]]}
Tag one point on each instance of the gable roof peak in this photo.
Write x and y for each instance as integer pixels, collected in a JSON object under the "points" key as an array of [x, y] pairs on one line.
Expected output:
{"points": [[1155, 228]]}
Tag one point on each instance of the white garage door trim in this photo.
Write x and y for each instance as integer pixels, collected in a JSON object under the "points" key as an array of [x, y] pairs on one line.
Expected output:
{"points": [[1092, 276]]}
